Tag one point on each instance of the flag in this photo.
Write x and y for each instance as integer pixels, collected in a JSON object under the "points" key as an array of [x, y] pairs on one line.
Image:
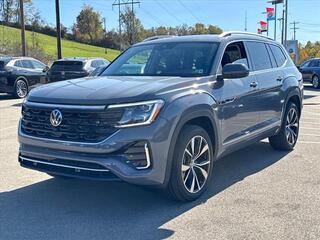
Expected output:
{"points": [[259, 31], [270, 14], [263, 26]]}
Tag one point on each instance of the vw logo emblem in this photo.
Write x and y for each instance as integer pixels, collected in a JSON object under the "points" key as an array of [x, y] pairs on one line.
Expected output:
{"points": [[55, 118]]}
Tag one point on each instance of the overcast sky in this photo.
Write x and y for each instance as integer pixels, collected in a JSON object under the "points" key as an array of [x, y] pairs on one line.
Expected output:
{"points": [[227, 14]]}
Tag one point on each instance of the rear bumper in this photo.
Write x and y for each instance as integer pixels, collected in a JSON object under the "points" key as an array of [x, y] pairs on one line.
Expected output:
{"points": [[42, 154]]}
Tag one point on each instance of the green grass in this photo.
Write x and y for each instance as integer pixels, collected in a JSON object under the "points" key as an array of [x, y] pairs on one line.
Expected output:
{"points": [[48, 44]]}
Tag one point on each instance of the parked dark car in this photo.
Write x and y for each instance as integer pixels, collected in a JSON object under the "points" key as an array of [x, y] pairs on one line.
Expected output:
{"points": [[69, 68], [164, 111], [19, 74], [311, 72]]}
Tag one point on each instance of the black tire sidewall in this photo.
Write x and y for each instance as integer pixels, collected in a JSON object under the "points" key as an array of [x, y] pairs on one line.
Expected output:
{"points": [[176, 179]]}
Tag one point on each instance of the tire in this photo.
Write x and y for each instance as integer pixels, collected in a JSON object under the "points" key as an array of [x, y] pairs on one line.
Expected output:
{"points": [[191, 168], [315, 82], [21, 88], [288, 135]]}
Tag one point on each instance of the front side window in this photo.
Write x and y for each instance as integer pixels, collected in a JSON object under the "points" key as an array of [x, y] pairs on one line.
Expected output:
{"points": [[38, 65], [235, 53], [305, 64], [165, 59], [315, 63], [278, 55], [259, 56]]}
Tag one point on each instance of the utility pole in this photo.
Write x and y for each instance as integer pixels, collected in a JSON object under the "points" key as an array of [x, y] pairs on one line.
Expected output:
{"points": [[286, 22], [58, 27], [283, 26], [119, 4], [105, 32], [23, 30], [294, 28], [281, 29]]}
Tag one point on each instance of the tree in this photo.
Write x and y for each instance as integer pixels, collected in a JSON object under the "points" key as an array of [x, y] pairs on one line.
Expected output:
{"points": [[88, 26], [132, 27]]}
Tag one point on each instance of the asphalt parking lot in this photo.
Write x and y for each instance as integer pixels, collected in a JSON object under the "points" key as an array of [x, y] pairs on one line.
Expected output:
{"points": [[256, 193]]}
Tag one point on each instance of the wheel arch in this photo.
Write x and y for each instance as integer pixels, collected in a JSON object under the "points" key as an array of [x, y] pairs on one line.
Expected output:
{"points": [[201, 115], [295, 97]]}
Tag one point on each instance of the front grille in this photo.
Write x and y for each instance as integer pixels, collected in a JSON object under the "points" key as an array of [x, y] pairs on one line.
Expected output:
{"points": [[77, 125]]}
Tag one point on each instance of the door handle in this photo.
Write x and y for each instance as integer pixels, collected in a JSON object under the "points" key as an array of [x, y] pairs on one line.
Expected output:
{"points": [[279, 79], [253, 84]]}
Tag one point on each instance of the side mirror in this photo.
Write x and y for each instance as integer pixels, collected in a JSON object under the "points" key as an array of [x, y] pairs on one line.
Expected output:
{"points": [[46, 68], [235, 71]]}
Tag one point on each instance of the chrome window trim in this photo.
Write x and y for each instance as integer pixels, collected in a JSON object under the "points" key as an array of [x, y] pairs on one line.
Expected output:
{"points": [[65, 106], [63, 165]]}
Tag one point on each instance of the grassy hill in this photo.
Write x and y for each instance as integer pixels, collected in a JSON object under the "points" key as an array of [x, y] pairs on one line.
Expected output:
{"points": [[48, 44]]}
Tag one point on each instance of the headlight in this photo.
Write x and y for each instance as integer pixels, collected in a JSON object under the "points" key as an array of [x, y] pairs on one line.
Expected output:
{"points": [[138, 114]]}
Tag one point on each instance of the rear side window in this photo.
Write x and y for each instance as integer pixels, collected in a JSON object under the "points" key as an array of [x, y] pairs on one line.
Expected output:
{"points": [[67, 66], [278, 55], [259, 56], [18, 64]]}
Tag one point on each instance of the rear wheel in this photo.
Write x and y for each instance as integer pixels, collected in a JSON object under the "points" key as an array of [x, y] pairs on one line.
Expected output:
{"points": [[287, 137], [315, 82], [21, 88], [192, 164]]}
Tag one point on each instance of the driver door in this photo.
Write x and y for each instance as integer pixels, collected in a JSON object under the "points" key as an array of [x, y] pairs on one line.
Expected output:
{"points": [[238, 97]]}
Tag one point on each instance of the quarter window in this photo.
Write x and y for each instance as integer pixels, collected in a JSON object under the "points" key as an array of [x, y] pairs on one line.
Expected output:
{"points": [[278, 55], [259, 56]]}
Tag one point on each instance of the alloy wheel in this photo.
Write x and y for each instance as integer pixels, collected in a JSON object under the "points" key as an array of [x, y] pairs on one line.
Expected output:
{"points": [[292, 126], [196, 164], [21, 88]]}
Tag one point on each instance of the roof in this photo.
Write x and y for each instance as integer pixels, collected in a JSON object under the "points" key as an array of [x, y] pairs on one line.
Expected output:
{"points": [[8, 58]]}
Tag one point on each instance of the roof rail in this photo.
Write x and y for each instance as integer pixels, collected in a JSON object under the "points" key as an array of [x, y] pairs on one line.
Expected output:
{"points": [[227, 34], [157, 37]]}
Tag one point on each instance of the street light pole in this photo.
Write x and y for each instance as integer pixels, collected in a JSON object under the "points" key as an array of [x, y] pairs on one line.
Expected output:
{"points": [[58, 27], [286, 23]]}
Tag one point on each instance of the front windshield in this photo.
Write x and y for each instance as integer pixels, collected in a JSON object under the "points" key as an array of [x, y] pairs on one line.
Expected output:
{"points": [[165, 59]]}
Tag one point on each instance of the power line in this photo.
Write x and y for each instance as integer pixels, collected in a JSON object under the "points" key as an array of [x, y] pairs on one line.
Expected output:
{"points": [[164, 8], [186, 8]]}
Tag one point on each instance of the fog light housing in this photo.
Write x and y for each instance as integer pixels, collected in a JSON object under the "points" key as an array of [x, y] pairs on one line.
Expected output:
{"points": [[138, 155]]}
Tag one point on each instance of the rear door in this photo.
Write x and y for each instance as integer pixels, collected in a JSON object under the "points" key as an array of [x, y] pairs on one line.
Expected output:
{"points": [[268, 71]]}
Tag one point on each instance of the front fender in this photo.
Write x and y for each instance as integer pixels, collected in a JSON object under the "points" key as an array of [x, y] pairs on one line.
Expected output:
{"points": [[184, 109]]}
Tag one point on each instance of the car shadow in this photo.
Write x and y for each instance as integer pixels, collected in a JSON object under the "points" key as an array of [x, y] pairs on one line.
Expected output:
{"points": [[65, 209], [6, 96]]}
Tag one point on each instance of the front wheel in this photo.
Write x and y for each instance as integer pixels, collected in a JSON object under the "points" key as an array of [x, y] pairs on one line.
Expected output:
{"points": [[21, 88], [192, 164], [287, 137]]}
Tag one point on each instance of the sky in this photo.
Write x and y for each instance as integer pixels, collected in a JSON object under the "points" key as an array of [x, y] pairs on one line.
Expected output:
{"points": [[227, 14]]}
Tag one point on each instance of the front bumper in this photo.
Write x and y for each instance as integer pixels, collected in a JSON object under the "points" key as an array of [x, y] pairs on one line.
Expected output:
{"points": [[44, 155]]}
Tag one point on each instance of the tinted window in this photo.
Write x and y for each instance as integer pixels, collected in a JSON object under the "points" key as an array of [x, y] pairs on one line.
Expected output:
{"points": [[67, 66], [314, 63], [165, 59], [95, 63], [259, 56], [27, 64], [278, 55]]}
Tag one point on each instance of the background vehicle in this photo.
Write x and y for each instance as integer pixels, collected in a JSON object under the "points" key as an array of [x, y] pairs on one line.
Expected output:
{"points": [[19, 74], [186, 102], [311, 71], [69, 68]]}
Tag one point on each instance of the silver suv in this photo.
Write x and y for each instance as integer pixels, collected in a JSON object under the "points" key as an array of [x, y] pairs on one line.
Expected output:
{"points": [[164, 111]]}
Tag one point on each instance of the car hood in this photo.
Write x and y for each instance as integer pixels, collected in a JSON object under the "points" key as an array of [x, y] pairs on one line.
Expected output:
{"points": [[105, 90]]}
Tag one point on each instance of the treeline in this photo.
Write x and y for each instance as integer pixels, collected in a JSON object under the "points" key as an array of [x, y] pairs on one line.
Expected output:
{"points": [[310, 50], [88, 27]]}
